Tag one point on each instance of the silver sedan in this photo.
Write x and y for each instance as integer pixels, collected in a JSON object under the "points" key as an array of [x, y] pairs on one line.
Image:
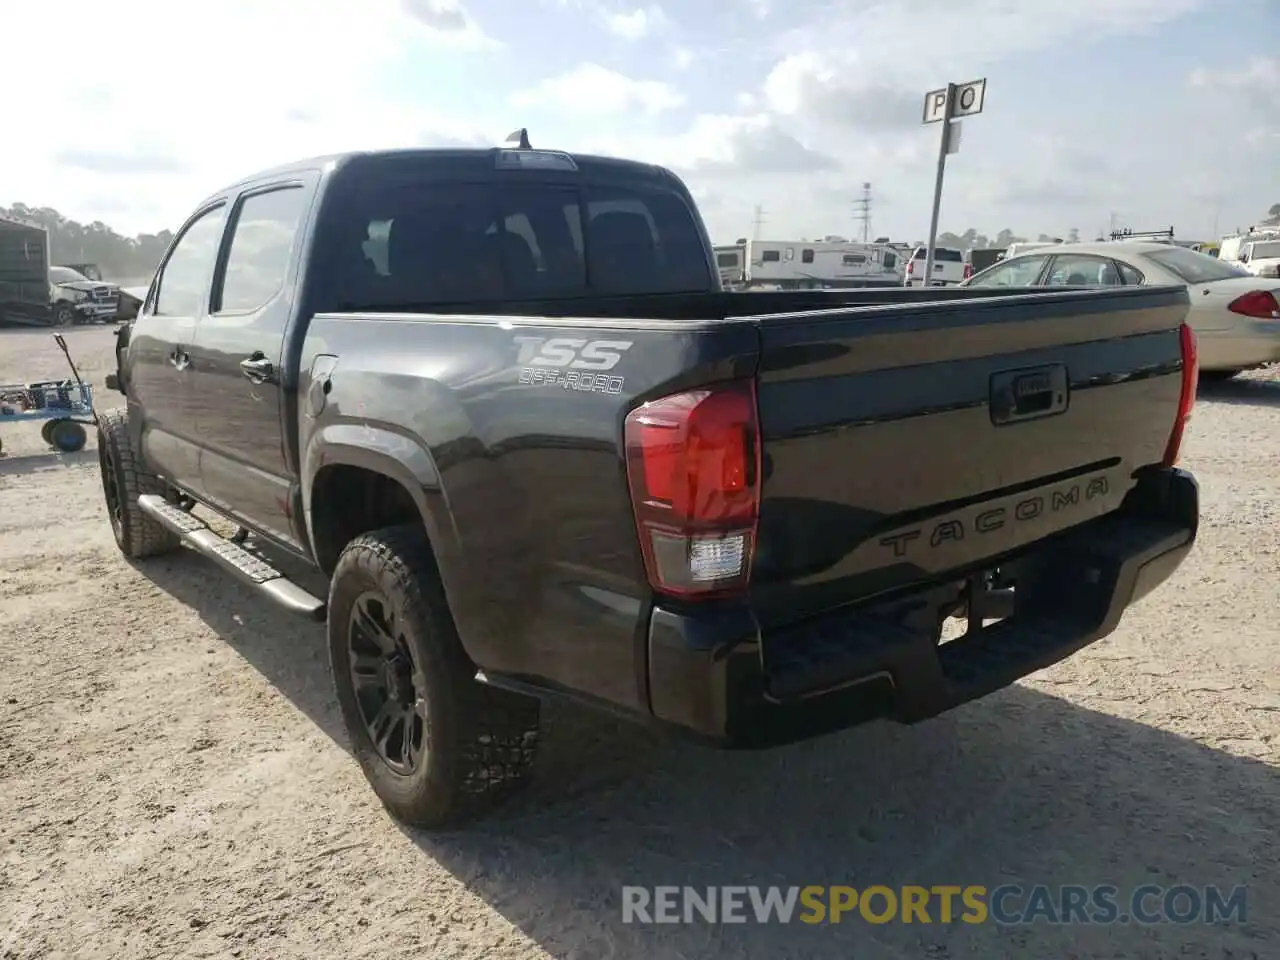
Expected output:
{"points": [[1235, 315]]}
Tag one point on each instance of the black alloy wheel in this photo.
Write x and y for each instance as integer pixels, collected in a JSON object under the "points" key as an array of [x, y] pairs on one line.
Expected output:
{"points": [[389, 685], [111, 491]]}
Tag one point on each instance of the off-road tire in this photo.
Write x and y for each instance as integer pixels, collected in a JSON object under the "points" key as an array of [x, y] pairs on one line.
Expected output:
{"points": [[136, 534], [478, 741]]}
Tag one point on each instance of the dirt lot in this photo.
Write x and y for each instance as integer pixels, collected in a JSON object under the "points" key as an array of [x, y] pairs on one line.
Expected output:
{"points": [[174, 782]]}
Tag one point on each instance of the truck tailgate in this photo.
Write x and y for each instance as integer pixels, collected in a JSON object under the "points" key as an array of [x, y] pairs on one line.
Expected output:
{"points": [[911, 443]]}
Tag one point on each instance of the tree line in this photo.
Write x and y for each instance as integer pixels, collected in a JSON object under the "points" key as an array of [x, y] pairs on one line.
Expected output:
{"points": [[122, 259]]}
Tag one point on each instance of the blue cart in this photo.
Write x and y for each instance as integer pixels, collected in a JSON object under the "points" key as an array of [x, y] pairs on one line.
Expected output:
{"points": [[65, 406]]}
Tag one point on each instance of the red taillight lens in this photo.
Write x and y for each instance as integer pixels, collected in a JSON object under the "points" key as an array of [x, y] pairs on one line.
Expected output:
{"points": [[693, 465], [1259, 304], [1187, 398], [968, 270]]}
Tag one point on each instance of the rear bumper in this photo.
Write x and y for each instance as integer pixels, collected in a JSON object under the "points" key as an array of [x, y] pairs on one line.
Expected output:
{"points": [[712, 673], [1241, 347]]}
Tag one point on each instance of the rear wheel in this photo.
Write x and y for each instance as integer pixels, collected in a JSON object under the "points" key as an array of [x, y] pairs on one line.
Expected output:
{"points": [[124, 479], [436, 745]]}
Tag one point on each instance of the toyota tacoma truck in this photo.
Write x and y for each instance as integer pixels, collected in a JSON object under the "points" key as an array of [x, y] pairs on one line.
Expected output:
{"points": [[499, 399]]}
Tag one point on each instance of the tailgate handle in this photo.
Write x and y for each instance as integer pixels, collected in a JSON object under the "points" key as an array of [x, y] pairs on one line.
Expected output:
{"points": [[1028, 394]]}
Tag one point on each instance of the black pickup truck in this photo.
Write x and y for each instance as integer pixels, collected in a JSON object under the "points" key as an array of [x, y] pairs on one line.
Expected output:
{"points": [[499, 399]]}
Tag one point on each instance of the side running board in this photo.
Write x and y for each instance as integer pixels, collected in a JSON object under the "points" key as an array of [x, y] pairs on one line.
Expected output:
{"points": [[242, 564]]}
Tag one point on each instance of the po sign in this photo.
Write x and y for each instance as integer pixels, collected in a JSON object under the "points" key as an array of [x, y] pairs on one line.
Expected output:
{"points": [[969, 97]]}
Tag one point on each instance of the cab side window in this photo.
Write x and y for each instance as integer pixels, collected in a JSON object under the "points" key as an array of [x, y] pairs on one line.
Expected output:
{"points": [[261, 248], [182, 287]]}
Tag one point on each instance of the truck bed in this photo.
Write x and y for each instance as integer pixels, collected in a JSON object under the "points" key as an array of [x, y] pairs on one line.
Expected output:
{"points": [[910, 439]]}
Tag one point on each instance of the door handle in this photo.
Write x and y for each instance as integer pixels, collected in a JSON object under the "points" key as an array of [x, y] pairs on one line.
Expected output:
{"points": [[257, 367]]}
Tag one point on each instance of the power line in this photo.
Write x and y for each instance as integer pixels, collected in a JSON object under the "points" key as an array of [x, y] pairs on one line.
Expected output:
{"points": [[862, 211]]}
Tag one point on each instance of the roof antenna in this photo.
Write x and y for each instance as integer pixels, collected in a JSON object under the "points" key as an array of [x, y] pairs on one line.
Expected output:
{"points": [[521, 135]]}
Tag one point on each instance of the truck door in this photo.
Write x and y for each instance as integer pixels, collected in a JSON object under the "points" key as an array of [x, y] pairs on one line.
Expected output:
{"points": [[159, 359], [239, 365]]}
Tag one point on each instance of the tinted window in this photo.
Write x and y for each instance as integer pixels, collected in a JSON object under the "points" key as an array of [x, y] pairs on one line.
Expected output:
{"points": [[1082, 271], [853, 259], [407, 244], [727, 259], [1195, 267], [1019, 272], [890, 261], [941, 255], [1131, 276], [260, 247], [806, 256], [770, 256], [183, 283]]}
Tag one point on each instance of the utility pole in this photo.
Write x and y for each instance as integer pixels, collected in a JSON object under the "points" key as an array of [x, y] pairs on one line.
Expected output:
{"points": [[862, 211], [944, 106], [757, 223]]}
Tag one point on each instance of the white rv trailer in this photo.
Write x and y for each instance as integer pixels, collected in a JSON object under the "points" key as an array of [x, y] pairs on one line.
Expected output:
{"points": [[815, 264], [731, 262]]}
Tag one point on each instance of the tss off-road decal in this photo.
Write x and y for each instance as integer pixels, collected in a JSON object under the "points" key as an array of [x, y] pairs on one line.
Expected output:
{"points": [[571, 363]]}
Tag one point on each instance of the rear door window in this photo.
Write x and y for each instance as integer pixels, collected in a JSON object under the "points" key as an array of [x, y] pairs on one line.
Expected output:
{"points": [[411, 245], [1019, 272], [1077, 270]]}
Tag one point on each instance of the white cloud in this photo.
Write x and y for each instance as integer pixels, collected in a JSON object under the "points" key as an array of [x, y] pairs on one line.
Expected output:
{"points": [[636, 24], [750, 106], [206, 100], [1253, 87], [590, 90]]}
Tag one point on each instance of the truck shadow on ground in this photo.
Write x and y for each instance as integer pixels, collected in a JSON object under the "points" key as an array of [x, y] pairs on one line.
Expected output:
{"points": [[1241, 390], [11, 463], [1019, 788]]}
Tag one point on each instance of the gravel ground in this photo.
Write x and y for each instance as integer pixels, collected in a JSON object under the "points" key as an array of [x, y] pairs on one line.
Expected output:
{"points": [[174, 780]]}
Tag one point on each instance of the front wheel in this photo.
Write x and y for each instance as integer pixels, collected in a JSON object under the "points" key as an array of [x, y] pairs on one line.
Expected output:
{"points": [[435, 744], [64, 315], [124, 479]]}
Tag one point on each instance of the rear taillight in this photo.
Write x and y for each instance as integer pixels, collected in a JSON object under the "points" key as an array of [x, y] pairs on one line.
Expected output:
{"points": [[911, 267], [1187, 398], [1259, 304], [968, 270], [693, 465]]}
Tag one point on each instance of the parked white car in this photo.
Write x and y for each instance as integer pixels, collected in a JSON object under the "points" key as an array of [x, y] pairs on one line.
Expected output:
{"points": [[1235, 315]]}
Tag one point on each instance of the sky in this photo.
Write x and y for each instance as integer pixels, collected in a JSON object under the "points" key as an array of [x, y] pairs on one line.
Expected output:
{"points": [[1145, 113]]}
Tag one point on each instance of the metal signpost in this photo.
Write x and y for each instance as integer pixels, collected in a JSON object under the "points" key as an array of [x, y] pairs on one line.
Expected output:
{"points": [[944, 106]]}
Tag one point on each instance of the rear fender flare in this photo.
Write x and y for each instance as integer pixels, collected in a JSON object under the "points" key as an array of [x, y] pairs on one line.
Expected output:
{"points": [[400, 458]]}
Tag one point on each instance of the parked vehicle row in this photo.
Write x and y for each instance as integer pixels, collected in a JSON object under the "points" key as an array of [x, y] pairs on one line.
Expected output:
{"points": [[34, 291]]}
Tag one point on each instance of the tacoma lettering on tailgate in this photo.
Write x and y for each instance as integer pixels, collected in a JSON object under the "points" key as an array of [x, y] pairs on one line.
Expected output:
{"points": [[1028, 508]]}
